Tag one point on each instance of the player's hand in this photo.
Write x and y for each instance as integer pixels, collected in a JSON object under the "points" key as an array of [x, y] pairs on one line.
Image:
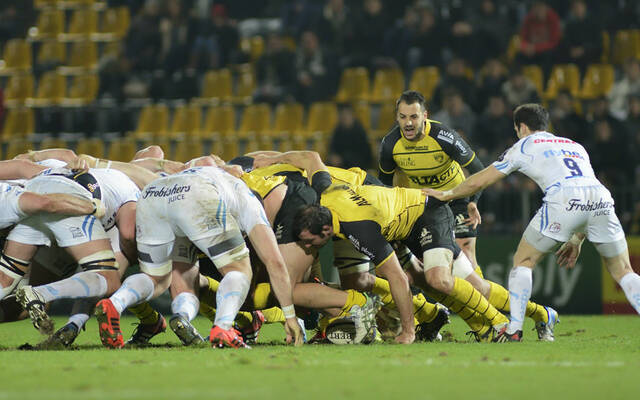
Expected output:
{"points": [[405, 337], [567, 255], [234, 170], [438, 194], [79, 164], [294, 332], [99, 208], [261, 160], [474, 215]]}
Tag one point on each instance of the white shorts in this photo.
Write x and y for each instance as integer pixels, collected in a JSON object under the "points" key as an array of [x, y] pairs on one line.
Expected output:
{"points": [[588, 209], [10, 212], [44, 229], [184, 207]]}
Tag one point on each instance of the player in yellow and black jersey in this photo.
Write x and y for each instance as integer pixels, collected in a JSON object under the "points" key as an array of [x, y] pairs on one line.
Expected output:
{"points": [[427, 154]]}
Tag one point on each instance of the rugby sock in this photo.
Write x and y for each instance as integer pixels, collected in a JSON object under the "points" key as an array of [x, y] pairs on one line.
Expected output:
{"points": [[185, 304], [261, 295], [479, 271], [353, 297], [80, 311], [520, 283], [273, 315], [243, 319], [499, 298], [82, 284], [145, 313], [13, 268], [208, 299], [207, 311], [423, 310], [381, 288], [630, 283], [232, 292], [474, 320], [134, 289], [464, 292]]}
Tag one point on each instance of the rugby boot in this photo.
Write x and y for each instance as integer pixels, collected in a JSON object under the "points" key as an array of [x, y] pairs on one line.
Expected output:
{"points": [[221, 338], [545, 330], [250, 332], [429, 331], [186, 332], [143, 333], [109, 324], [64, 336], [31, 301], [504, 337]]}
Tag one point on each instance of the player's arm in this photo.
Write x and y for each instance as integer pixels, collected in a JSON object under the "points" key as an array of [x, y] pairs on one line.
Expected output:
{"points": [[309, 161], [19, 169], [139, 175], [567, 255], [159, 165], [471, 185], [387, 165], [65, 155], [58, 203]]}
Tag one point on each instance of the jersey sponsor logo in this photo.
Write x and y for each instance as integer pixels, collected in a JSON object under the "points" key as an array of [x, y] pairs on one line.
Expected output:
{"points": [[446, 136], [361, 249], [536, 141], [600, 207], [356, 198], [439, 157], [425, 237], [432, 180], [279, 231], [406, 162], [460, 146], [562, 153], [555, 227], [76, 232], [165, 191]]}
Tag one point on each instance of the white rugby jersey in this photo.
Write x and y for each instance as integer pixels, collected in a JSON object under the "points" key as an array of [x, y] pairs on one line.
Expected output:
{"points": [[10, 212], [549, 160]]}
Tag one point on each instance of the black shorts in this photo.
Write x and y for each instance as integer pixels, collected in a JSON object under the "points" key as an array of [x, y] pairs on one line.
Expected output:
{"points": [[298, 194], [434, 229], [460, 213]]}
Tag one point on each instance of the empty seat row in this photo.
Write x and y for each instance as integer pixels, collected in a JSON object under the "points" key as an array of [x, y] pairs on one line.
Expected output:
{"points": [[85, 23], [53, 89]]}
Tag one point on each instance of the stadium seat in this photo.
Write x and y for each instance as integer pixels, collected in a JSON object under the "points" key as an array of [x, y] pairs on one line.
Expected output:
{"points": [[425, 80], [44, 3], [188, 149], [75, 4], [288, 120], [535, 75], [626, 44], [354, 85], [16, 57], [51, 53], [386, 120], [217, 86], [51, 90], [83, 90], [83, 58], [253, 46], [255, 121], [513, 48], [321, 120], [362, 112], [18, 122], [606, 48], [219, 122], [94, 147], [152, 122], [245, 85], [17, 146], [186, 122], [83, 23], [597, 81], [387, 83], [230, 148], [122, 150], [53, 143], [114, 24], [563, 77], [19, 88], [49, 24]]}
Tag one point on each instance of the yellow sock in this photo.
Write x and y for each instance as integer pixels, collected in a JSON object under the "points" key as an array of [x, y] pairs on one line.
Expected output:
{"points": [[243, 319], [474, 320], [499, 298], [381, 288], [261, 296], [353, 298], [423, 310], [273, 315], [479, 271], [208, 299], [464, 292], [145, 313], [208, 311]]}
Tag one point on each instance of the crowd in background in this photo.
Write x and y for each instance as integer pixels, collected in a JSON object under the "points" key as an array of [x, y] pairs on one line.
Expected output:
{"points": [[171, 43]]}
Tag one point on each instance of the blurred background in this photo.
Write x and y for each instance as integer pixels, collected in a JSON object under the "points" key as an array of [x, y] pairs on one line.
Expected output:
{"points": [[108, 77]]}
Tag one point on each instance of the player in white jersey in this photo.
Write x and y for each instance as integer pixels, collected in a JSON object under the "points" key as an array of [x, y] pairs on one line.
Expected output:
{"points": [[575, 205], [208, 208], [83, 237]]}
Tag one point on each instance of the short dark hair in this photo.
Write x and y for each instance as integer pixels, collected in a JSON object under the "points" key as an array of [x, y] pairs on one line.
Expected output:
{"points": [[245, 162], [312, 217], [532, 115], [410, 97]]}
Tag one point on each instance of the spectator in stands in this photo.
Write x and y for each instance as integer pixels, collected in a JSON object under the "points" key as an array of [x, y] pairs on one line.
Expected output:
{"points": [[399, 38], [144, 41], [178, 33], [566, 121], [491, 133], [539, 36], [456, 76], [430, 37], [518, 89], [317, 74], [493, 26], [457, 114], [369, 27], [582, 39], [349, 146], [216, 41], [611, 161], [336, 26], [598, 110], [298, 16], [623, 88], [275, 72], [632, 122], [493, 75]]}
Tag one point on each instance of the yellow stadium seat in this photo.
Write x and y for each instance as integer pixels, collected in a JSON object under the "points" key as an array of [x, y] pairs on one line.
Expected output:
{"points": [[44, 3], [52, 88], [217, 86], [255, 121], [288, 120], [16, 57], [563, 77], [53, 143], [231, 148], [186, 121], [49, 25], [83, 58], [114, 24], [152, 122], [253, 46], [75, 4], [94, 147], [387, 85], [245, 84], [626, 44], [51, 52], [83, 90], [122, 150], [597, 81], [386, 120], [321, 120], [188, 149], [354, 85], [219, 122], [425, 80], [362, 112], [606, 48], [513, 48], [19, 88], [18, 122], [17, 146], [535, 75], [83, 23]]}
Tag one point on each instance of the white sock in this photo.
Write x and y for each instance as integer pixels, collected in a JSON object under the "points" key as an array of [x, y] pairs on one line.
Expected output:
{"points": [[135, 289], [630, 283], [520, 283], [231, 294], [186, 304], [80, 311], [17, 278], [80, 285]]}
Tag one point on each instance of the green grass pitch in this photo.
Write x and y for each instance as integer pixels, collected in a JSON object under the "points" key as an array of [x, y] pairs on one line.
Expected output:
{"points": [[594, 357]]}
